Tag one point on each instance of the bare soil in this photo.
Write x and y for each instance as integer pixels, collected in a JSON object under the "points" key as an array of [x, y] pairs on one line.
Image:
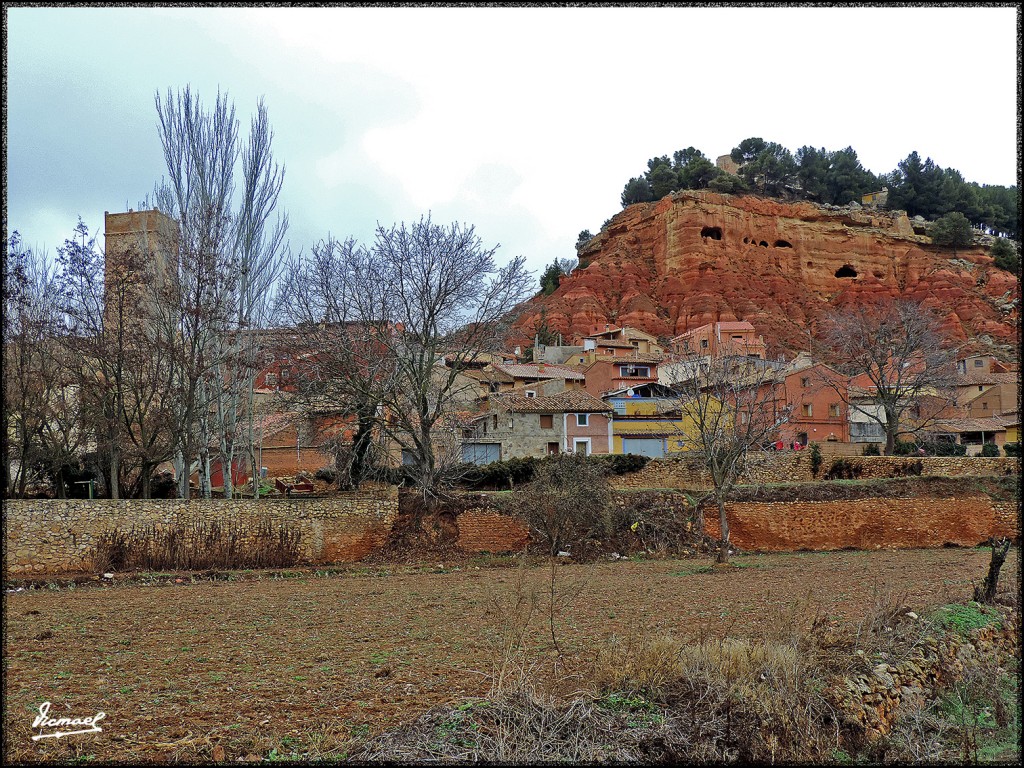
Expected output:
{"points": [[304, 664]]}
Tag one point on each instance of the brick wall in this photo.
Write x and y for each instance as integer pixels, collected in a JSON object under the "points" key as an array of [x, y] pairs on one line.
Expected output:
{"points": [[795, 467], [872, 523], [50, 536], [481, 530]]}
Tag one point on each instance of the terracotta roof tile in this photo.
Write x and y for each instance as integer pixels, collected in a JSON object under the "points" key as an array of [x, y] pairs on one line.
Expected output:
{"points": [[570, 401], [536, 371]]}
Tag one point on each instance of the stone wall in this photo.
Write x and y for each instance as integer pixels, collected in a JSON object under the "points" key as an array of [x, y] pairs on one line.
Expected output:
{"points": [[872, 700], [795, 467], [52, 536]]}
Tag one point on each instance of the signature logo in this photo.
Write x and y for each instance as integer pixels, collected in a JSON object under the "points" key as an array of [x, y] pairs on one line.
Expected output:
{"points": [[83, 724]]}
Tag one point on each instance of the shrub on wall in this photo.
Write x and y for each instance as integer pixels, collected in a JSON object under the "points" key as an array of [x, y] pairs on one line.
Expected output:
{"points": [[989, 449], [501, 475], [815, 459], [1012, 449], [872, 449], [843, 469]]}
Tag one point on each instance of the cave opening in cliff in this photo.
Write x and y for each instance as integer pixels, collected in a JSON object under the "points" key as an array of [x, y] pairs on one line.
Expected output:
{"points": [[783, 244], [846, 271], [763, 244], [715, 233]]}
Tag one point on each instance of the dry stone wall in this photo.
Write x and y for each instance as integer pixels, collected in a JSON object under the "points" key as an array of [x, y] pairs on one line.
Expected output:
{"points": [[482, 530], [58, 536], [795, 467], [873, 699]]}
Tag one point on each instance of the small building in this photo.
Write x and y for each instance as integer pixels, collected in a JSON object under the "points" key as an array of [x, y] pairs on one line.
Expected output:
{"points": [[875, 199], [721, 339], [517, 425]]}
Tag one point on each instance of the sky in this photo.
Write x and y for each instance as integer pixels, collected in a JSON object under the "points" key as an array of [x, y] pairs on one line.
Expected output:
{"points": [[523, 122]]}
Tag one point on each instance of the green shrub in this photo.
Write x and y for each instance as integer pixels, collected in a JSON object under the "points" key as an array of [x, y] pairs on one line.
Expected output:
{"points": [[1012, 449], [931, 448], [989, 449], [872, 449], [815, 459]]}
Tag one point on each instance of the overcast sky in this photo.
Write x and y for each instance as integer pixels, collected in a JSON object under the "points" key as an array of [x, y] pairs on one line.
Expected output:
{"points": [[525, 122]]}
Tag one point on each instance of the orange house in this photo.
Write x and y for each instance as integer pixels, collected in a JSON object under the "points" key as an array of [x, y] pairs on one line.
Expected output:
{"points": [[817, 396]]}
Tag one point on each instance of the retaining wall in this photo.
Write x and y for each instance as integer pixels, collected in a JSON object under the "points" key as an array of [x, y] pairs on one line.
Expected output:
{"points": [[872, 523], [51, 536], [795, 467]]}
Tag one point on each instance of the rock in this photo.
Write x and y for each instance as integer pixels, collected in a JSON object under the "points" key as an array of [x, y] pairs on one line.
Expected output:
{"points": [[652, 269]]}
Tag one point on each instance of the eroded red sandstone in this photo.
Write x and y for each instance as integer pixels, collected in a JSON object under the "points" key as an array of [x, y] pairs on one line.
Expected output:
{"points": [[697, 257]]}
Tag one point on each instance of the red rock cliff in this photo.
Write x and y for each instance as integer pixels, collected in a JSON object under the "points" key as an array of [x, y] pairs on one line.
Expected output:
{"points": [[698, 257]]}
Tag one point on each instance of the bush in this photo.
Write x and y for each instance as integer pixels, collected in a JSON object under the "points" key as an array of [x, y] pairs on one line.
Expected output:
{"points": [[872, 449], [568, 502], [503, 475], [815, 459], [990, 449], [931, 448], [842, 469], [199, 546], [1012, 449]]}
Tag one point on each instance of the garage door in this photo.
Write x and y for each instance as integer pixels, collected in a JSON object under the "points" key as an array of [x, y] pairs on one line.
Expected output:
{"points": [[644, 446], [481, 453]]}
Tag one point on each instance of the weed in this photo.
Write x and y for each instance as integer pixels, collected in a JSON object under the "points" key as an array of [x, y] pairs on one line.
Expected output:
{"points": [[962, 619]]}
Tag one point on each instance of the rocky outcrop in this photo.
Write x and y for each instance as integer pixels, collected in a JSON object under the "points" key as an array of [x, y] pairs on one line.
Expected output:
{"points": [[698, 257]]}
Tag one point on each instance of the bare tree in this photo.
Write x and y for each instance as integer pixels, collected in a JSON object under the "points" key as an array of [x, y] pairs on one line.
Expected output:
{"points": [[897, 356], [730, 409], [33, 382], [228, 259], [346, 361], [410, 315], [115, 340]]}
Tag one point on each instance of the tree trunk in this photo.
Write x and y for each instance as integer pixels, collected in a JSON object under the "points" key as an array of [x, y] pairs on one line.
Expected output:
{"points": [[987, 592], [115, 473], [723, 545]]}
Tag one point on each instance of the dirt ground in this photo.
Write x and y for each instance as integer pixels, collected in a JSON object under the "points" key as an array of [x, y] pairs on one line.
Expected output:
{"points": [[299, 665]]}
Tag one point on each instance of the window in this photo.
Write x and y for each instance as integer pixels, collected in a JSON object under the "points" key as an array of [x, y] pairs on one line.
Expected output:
{"points": [[495, 424], [833, 411], [984, 406], [979, 363], [643, 371], [703, 343], [981, 388], [808, 409], [805, 382], [744, 417], [531, 393], [272, 379], [547, 421], [582, 419], [493, 386]]}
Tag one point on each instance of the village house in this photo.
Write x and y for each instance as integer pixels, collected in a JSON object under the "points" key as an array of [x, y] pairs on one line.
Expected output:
{"points": [[517, 425], [720, 339], [817, 396], [647, 421]]}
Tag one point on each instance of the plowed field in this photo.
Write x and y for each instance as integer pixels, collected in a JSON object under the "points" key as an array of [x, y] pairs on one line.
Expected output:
{"points": [[300, 666]]}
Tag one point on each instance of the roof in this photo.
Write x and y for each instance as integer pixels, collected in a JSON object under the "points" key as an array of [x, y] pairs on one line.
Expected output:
{"points": [[538, 371], [969, 425], [631, 360], [974, 378], [487, 374], [612, 343], [570, 401]]}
